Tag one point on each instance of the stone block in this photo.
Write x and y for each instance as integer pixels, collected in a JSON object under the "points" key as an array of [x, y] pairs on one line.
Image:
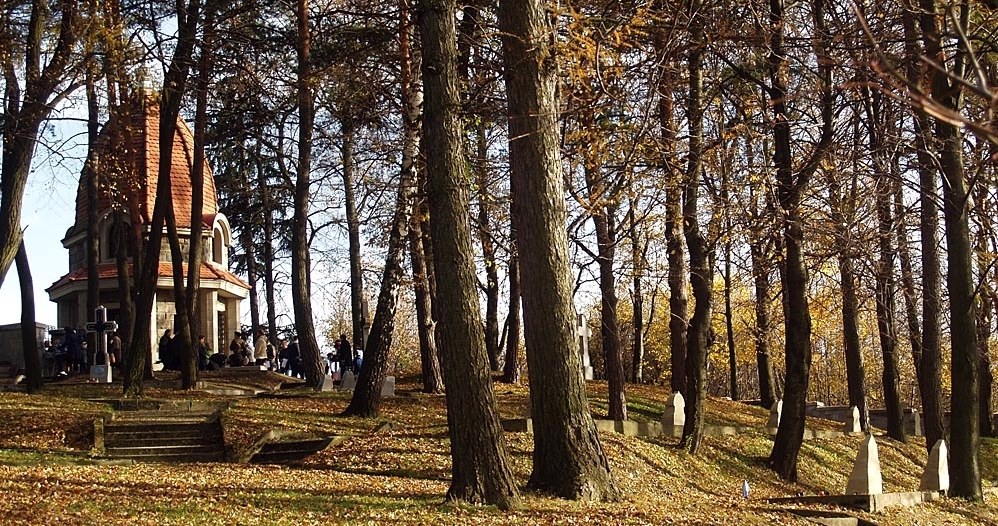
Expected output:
{"points": [[388, 386], [100, 373], [327, 383], [348, 382], [774, 414], [936, 475], [866, 478]]}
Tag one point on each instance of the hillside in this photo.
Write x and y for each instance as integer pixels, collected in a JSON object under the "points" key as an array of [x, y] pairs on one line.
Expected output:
{"points": [[398, 473]]}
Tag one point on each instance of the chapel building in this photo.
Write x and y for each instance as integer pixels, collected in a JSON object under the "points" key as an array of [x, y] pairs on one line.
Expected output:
{"points": [[129, 154]]}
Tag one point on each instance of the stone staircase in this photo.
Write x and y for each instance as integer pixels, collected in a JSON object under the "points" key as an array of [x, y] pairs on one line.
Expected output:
{"points": [[162, 436]]}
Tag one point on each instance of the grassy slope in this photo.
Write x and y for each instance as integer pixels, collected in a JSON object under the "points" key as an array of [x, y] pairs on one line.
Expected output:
{"points": [[400, 475]]}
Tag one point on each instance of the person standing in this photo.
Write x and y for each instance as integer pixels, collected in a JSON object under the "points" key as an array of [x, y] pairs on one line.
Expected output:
{"points": [[260, 348], [345, 354], [203, 352]]}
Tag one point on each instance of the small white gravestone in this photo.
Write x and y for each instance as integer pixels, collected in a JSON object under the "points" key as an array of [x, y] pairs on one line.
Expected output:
{"points": [[917, 417], [852, 421], [327, 383], [348, 382], [775, 413], [936, 475], [388, 386], [866, 478], [675, 411]]}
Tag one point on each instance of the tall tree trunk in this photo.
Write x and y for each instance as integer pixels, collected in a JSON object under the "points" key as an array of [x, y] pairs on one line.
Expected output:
{"points": [[930, 364], [511, 363], [366, 399], [488, 248], [174, 85], [29, 338], [195, 255], [428, 357], [698, 335], [480, 465], [301, 283], [252, 277], [568, 459], [637, 297], [270, 295], [984, 201], [729, 325], [907, 275], [878, 117], [674, 244], [90, 169], [790, 187], [121, 260], [606, 242], [843, 217], [353, 234], [964, 423]]}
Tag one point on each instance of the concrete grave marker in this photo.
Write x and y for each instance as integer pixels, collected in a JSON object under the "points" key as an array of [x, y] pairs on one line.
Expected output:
{"points": [[675, 411], [852, 421], [348, 381], [327, 383], [388, 386], [774, 415], [866, 478], [917, 417], [936, 475], [584, 335]]}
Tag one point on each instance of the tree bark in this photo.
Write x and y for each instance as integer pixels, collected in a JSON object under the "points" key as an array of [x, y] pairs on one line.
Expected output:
{"points": [[964, 423], [637, 298], [698, 335], [568, 459], [25, 112], [353, 234], [790, 187], [366, 400], [29, 339], [843, 217], [174, 86], [606, 232], [484, 225], [480, 465], [511, 363], [301, 283], [930, 363], [428, 357]]}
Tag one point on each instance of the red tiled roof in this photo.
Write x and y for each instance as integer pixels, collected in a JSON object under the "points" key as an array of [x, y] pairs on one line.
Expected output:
{"points": [[110, 271], [129, 167]]}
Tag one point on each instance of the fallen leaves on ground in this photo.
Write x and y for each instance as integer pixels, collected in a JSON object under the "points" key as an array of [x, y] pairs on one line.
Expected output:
{"points": [[400, 474]]}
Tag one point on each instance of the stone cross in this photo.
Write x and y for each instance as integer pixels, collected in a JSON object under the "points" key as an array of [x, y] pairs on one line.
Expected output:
{"points": [[866, 478], [936, 475], [675, 411], [584, 335], [852, 421], [102, 327]]}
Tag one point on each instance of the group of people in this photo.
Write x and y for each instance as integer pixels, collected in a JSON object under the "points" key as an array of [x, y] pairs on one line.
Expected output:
{"points": [[169, 352], [254, 348], [72, 354]]}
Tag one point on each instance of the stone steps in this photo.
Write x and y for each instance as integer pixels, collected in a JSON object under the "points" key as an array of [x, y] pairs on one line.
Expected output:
{"points": [[164, 436]]}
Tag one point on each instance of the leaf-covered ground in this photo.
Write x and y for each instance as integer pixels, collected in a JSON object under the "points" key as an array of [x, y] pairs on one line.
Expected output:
{"points": [[398, 473]]}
